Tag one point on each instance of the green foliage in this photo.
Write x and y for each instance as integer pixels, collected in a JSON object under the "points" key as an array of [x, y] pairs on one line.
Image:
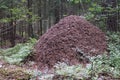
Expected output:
{"points": [[4, 4], [95, 8], [114, 38], [19, 11], [114, 47], [18, 53], [80, 1], [78, 72], [102, 64]]}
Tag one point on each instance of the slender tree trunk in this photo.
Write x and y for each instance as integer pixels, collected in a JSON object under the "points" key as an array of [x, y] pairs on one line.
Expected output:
{"points": [[62, 8], [12, 33], [30, 28], [49, 13], [13, 29], [40, 15], [112, 16], [56, 11]]}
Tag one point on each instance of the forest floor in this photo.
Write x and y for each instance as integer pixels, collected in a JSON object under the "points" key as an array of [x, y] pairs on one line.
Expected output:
{"points": [[29, 71], [25, 71], [13, 72]]}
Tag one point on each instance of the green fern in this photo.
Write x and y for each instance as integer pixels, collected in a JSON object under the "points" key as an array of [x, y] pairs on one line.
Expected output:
{"points": [[18, 53]]}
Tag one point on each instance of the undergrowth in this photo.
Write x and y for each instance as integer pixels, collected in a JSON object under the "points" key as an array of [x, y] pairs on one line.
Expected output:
{"points": [[18, 53]]}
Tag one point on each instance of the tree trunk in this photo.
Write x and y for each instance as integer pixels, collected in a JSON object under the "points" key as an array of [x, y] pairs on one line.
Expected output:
{"points": [[112, 16], [30, 28], [40, 15], [56, 11], [13, 29]]}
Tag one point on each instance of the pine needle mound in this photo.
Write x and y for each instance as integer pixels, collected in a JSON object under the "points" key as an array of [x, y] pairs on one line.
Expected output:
{"points": [[61, 41]]}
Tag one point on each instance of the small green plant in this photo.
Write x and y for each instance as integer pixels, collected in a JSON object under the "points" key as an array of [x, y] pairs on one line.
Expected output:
{"points": [[18, 53], [78, 71], [114, 48]]}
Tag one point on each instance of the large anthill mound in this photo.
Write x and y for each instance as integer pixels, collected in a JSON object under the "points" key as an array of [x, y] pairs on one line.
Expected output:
{"points": [[60, 42]]}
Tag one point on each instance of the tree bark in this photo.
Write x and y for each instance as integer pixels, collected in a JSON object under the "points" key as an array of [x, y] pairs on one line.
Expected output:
{"points": [[13, 29], [56, 11], [40, 15], [112, 16], [30, 28]]}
